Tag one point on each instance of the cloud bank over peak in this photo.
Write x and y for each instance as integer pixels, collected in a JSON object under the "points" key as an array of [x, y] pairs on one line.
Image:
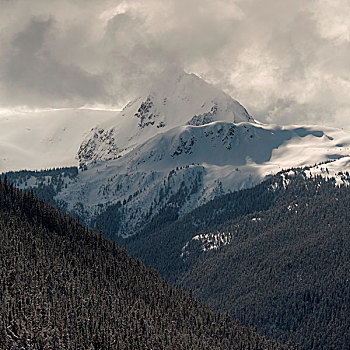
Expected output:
{"points": [[286, 61]]}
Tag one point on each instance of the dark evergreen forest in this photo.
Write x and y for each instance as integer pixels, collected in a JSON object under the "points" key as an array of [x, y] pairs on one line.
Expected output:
{"points": [[63, 286], [281, 262], [283, 266]]}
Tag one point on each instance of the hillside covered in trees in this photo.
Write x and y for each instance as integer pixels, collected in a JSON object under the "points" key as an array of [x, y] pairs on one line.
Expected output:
{"points": [[63, 286], [276, 256]]}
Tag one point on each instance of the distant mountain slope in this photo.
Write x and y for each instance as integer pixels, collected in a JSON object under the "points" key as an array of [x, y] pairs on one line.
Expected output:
{"points": [[184, 168], [178, 146], [276, 256], [63, 286], [44, 139]]}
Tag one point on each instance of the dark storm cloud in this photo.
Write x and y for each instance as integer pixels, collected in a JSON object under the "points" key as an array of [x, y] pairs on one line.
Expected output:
{"points": [[32, 76], [287, 61]]}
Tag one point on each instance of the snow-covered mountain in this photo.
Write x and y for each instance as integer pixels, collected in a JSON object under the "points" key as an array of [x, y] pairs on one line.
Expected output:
{"points": [[187, 166], [44, 139], [177, 147], [175, 99]]}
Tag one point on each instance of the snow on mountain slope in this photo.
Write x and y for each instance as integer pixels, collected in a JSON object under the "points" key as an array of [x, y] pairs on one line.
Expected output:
{"points": [[176, 99], [177, 147], [189, 165], [45, 139]]}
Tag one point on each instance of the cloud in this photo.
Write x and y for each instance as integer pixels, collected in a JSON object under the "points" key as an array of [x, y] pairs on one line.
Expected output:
{"points": [[33, 76], [286, 61]]}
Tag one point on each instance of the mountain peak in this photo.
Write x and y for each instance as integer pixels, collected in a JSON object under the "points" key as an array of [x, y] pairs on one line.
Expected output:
{"points": [[194, 96], [176, 98], [167, 79]]}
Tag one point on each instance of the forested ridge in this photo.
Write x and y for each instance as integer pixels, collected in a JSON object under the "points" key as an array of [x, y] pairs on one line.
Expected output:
{"points": [[276, 256], [63, 286]]}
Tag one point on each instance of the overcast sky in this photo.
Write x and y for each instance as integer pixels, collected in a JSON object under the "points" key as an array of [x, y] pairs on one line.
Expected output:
{"points": [[286, 61]]}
